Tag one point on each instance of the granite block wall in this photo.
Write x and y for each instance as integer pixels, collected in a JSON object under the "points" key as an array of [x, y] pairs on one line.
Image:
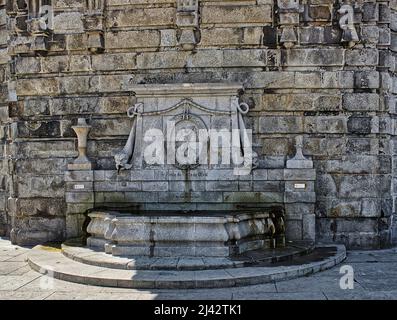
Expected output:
{"points": [[301, 72]]}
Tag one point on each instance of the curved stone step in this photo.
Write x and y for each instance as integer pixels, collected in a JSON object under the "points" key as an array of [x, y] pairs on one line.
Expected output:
{"points": [[73, 250], [52, 262]]}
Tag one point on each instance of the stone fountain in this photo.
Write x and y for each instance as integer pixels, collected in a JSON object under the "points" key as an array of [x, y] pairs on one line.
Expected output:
{"points": [[171, 206], [175, 213]]}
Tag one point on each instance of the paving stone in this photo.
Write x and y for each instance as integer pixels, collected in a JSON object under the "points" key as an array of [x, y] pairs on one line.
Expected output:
{"points": [[9, 267], [307, 284], [314, 295]]}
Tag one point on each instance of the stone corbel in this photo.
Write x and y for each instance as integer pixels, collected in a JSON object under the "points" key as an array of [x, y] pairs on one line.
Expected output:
{"points": [[38, 28], [21, 16], [93, 24], [187, 21], [346, 23], [299, 161], [289, 11]]}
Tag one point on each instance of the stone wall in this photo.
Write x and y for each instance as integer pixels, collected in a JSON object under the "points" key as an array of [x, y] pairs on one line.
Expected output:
{"points": [[300, 78], [4, 219]]}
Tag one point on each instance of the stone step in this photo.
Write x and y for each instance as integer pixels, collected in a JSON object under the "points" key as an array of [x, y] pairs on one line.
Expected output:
{"points": [[52, 262], [75, 251]]}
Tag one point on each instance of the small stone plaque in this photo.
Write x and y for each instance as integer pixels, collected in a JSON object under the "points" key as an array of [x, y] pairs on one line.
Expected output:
{"points": [[300, 185], [78, 186]]}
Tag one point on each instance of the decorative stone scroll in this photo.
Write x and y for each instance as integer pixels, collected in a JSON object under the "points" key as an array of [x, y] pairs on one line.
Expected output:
{"points": [[187, 21], [346, 23]]}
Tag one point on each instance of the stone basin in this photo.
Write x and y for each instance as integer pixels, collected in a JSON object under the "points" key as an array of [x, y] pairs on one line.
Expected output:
{"points": [[168, 234]]}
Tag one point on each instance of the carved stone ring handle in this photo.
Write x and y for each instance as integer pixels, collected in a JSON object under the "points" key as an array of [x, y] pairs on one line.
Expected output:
{"points": [[243, 105], [133, 111]]}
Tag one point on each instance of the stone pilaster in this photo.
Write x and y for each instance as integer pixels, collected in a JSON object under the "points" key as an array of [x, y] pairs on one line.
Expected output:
{"points": [[300, 196], [79, 197]]}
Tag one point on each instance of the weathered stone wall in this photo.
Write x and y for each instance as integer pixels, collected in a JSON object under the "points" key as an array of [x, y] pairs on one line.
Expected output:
{"points": [[4, 219], [339, 98]]}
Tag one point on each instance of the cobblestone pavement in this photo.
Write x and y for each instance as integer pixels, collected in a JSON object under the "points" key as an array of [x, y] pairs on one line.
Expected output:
{"points": [[375, 274]]}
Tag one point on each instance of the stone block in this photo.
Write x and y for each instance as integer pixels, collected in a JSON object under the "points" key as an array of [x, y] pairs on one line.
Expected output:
{"points": [[362, 57], [370, 11], [332, 35], [54, 64], [221, 37], [41, 186], [280, 124], [190, 197], [297, 210], [370, 34], [79, 63], [221, 186], [259, 14], [312, 35], [361, 101], [313, 57], [270, 36], [299, 174], [141, 17], [68, 22], [359, 125], [79, 197], [338, 79], [270, 186], [288, 102], [163, 60], [384, 37], [168, 38], [299, 197], [253, 36], [253, 197], [115, 61], [275, 174], [34, 107], [371, 207], [132, 39], [293, 230], [309, 227], [155, 186], [359, 186], [328, 103], [27, 65], [183, 186], [325, 124], [72, 176], [260, 174], [367, 80], [37, 87], [242, 58], [37, 129]]}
